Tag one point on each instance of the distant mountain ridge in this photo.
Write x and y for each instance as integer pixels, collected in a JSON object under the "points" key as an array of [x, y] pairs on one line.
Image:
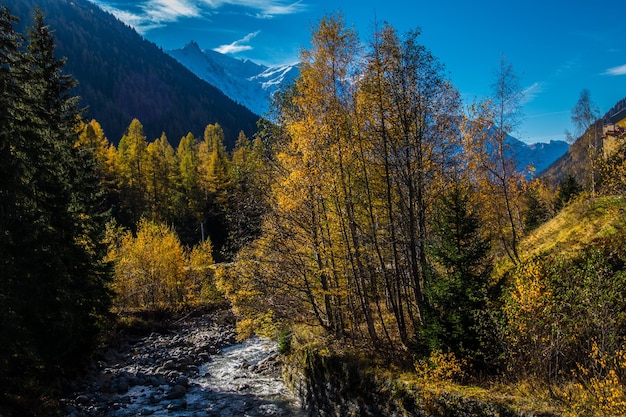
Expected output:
{"points": [[539, 156], [253, 85], [246, 82], [123, 76]]}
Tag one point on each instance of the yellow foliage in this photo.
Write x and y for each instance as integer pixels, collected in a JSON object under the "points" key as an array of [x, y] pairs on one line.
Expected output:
{"points": [[153, 271], [601, 391], [440, 367]]}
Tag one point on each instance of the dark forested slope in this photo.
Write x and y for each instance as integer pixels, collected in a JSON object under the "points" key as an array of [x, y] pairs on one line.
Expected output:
{"points": [[123, 76]]}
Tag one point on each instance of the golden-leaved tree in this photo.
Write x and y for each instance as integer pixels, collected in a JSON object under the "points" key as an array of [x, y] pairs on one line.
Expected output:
{"points": [[161, 172], [152, 269], [491, 160], [131, 171], [368, 138]]}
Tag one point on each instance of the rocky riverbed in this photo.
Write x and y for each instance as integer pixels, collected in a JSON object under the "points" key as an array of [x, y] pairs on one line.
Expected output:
{"points": [[194, 368]]}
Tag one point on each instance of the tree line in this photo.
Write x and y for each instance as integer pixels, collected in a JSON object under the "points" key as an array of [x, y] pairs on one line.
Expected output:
{"points": [[54, 292], [199, 188], [396, 213], [376, 207]]}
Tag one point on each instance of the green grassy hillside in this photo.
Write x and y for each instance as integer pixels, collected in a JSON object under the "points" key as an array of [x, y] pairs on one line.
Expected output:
{"points": [[584, 223]]}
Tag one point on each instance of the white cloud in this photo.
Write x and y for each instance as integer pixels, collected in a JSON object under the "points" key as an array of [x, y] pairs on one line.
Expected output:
{"points": [[158, 13], [263, 8], [531, 92], [238, 45], [169, 10], [619, 70], [154, 13]]}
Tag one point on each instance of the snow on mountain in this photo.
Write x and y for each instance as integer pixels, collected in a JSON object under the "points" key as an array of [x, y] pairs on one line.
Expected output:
{"points": [[243, 81], [539, 156], [253, 85]]}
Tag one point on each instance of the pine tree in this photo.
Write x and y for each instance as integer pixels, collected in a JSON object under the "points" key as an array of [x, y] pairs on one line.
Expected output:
{"points": [[458, 288], [55, 287], [12, 165], [568, 189]]}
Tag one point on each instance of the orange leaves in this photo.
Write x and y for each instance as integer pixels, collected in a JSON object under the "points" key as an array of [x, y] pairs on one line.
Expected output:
{"points": [[152, 269]]}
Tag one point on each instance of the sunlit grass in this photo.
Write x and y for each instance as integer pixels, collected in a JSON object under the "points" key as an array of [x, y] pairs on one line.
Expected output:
{"points": [[578, 225]]}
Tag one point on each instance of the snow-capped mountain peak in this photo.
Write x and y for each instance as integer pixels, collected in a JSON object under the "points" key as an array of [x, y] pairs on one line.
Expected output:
{"points": [[244, 81]]}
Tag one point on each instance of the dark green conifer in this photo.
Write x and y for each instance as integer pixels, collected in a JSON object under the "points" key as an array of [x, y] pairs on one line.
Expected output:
{"points": [[458, 288], [54, 280]]}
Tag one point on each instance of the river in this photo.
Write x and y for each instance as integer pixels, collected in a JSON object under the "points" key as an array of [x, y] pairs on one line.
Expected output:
{"points": [[191, 370]]}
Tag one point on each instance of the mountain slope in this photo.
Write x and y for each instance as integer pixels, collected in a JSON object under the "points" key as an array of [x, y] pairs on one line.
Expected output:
{"points": [[575, 161], [122, 76], [582, 224], [244, 81], [537, 155]]}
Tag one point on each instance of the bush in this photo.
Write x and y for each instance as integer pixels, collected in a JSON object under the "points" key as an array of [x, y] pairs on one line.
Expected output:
{"points": [[556, 307]]}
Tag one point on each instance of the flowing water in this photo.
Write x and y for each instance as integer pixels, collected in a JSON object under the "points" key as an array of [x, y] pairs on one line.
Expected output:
{"points": [[173, 375], [231, 384]]}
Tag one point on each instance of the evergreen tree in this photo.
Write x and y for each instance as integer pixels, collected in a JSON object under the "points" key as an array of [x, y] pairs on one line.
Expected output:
{"points": [[458, 289], [536, 212], [54, 279], [568, 189], [12, 108]]}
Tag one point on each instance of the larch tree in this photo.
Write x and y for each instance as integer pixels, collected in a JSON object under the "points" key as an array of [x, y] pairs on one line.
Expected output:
{"points": [[188, 165], [131, 158], [161, 173], [489, 155], [214, 163], [214, 183], [149, 268], [585, 115], [247, 201]]}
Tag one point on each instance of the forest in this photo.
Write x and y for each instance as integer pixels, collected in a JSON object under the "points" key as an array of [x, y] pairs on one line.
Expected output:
{"points": [[376, 213]]}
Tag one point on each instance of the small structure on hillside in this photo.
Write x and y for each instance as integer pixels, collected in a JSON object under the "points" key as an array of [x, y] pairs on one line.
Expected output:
{"points": [[614, 132]]}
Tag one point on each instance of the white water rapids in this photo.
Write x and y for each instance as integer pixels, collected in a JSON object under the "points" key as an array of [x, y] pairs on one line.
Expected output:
{"points": [[231, 384], [183, 373]]}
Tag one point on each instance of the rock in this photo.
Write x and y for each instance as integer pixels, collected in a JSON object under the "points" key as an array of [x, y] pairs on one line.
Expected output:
{"points": [[177, 405], [122, 385], [154, 381], [83, 399], [177, 391], [182, 380], [134, 380]]}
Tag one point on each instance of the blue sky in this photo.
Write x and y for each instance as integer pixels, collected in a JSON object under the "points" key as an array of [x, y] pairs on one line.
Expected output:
{"points": [[556, 47]]}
